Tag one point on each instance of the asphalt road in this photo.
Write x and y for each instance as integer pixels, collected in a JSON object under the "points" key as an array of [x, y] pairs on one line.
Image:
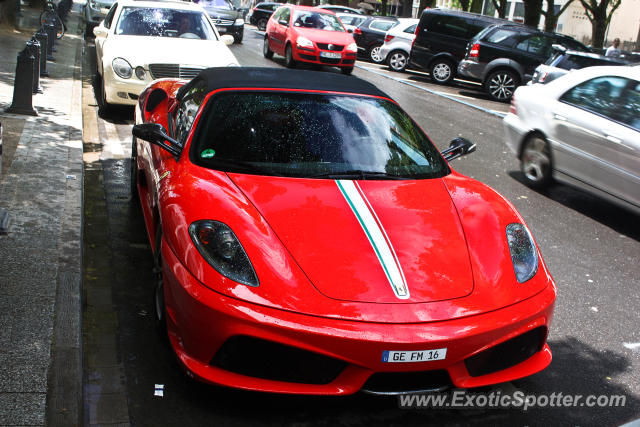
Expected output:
{"points": [[590, 246]]}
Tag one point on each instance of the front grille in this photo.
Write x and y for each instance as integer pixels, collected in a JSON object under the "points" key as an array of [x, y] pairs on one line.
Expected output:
{"points": [[348, 61], [223, 22], [407, 382], [307, 57], [159, 71], [329, 60], [507, 354], [334, 47], [269, 360]]}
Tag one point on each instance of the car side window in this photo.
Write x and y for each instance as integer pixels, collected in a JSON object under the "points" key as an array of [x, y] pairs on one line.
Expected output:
{"points": [[475, 26], [536, 45], [629, 111], [109, 18], [411, 29], [449, 25], [381, 25], [600, 95], [502, 37], [277, 14], [285, 15], [187, 110]]}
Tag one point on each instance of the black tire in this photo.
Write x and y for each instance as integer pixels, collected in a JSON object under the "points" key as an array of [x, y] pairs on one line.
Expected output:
{"points": [[133, 181], [237, 39], [159, 307], [346, 70], [288, 57], [536, 162], [103, 106], [398, 60], [501, 84], [442, 71], [374, 54], [262, 24], [268, 53]]}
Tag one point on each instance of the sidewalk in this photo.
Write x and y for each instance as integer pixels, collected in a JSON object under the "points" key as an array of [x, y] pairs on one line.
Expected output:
{"points": [[41, 257]]}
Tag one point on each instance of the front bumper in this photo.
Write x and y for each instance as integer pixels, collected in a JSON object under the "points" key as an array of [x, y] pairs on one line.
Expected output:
{"points": [[235, 30], [123, 91], [316, 56], [202, 323], [471, 69], [515, 131]]}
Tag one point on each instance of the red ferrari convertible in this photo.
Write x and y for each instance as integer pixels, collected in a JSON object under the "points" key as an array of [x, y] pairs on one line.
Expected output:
{"points": [[311, 239]]}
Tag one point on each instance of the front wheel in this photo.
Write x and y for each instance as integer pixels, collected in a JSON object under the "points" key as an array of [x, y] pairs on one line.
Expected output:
{"points": [[288, 57], [501, 84], [103, 106], [397, 60], [535, 162], [268, 53], [159, 306], [374, 54], [442, 72], [133, 182], [262, 24]]}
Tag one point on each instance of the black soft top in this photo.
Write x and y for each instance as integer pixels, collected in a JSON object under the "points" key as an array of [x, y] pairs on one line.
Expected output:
{"points": [[279, 78]]}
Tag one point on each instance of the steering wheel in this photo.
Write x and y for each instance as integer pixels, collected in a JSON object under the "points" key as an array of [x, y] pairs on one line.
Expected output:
{"points": [[189, 36]]}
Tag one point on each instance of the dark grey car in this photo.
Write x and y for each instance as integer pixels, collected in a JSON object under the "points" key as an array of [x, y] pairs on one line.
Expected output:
{"points": [[565, 60], [227, 19]]}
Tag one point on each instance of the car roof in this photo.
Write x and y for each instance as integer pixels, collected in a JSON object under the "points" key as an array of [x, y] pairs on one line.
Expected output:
{"points": [[592, 55], [280, 78], [583, 74], [162, 4], [452, 12], [309, 8]]}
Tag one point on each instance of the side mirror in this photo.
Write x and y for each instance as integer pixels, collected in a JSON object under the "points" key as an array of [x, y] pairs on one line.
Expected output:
{"points": [[283, 22], [558, 48], [155, 134], [458, 148], [349, 31], [100, 30], [227, 39]]}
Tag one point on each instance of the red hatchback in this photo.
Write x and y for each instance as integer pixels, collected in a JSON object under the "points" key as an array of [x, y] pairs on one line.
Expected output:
{"points": [[306, 34]]}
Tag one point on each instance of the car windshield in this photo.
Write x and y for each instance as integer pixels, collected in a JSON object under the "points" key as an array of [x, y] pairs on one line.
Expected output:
{"points": [[320, 21], [164, 22], [216, 4], [313, 136]]}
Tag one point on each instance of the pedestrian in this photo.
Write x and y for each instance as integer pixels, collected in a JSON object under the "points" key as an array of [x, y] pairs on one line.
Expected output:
{"points": [[613, 50]]}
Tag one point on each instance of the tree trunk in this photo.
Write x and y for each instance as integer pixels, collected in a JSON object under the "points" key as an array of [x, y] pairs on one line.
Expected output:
{"points": [[423, 5], [464, 4], [501, 7], [407, 6], [8, 13], [598, 30], [476, 6], [532, 10]]}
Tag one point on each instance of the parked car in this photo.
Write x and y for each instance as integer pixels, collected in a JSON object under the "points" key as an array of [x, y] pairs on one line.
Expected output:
{"points": [[581, 129], [563, 61], [94, 12], [226, 18], [311, 35], [351, 21], [505, 56], [296, 252], [140, 41], [261, 13], [397, 44], [370, 34], [340, 9], [441, 41]]}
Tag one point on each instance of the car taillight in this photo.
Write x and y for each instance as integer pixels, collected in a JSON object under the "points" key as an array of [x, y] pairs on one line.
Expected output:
{"points": [[357, 31], [474, 53], [417, 31], [388, 38], [512, 108]]}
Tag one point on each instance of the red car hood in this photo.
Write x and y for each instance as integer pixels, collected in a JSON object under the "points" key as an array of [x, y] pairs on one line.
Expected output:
{"points": [[324, 36], [360, 240]]}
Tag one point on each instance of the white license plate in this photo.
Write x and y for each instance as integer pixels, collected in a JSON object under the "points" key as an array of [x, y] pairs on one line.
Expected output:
{"points": [[332, 55], [221, 29], [414, 356]]}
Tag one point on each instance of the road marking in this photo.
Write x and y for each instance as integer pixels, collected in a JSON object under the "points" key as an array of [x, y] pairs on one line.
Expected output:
{"points": [[112, 143], [447, 96], [632, 345]]}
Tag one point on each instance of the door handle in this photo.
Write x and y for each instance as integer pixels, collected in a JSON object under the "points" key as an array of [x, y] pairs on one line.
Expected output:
{"points": [[559, 117], [612, 138]]}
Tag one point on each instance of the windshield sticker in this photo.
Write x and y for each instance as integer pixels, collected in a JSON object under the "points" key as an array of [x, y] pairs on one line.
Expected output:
{"points": [[208, 153]]}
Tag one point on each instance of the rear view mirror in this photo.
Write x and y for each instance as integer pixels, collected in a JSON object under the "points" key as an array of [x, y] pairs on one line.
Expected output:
{"points": [[155, 134], [227, 39], [458, 148], [100, 30]]}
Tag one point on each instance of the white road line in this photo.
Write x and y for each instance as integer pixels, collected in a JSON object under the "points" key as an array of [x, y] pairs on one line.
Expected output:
{"points": [[113, 143]]}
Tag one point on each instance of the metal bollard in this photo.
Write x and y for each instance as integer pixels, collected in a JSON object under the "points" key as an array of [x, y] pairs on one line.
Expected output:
{"points": [[51, 33], [23, 86], [43, 38], [4, 215], [33, 47]]}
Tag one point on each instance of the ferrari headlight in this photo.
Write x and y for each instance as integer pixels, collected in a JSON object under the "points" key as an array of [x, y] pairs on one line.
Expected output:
{"points": [[352, 48], [222, 250], [239, 22], [523, 251], [304, 42], [122, 68]]}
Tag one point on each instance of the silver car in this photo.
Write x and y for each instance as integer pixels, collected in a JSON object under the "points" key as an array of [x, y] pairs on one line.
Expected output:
{"points": [[397, 44], [582, 129]]}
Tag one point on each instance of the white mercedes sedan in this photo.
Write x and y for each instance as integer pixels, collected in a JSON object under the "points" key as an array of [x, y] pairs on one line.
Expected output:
{"points": [[581, 129], [140, 41]]}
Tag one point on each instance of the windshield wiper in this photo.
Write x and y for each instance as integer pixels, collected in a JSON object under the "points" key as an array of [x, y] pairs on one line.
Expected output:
{"points": [[358, 174]]}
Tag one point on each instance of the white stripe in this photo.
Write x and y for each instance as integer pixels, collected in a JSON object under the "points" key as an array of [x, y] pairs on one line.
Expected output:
{"points": [[113, 143], [376, 237]]}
